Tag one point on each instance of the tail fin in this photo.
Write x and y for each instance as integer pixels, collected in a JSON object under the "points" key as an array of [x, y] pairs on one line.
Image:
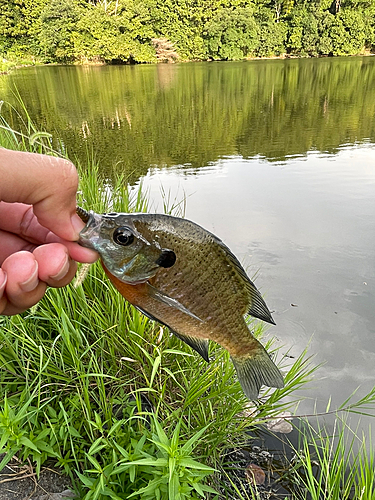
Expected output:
{"points": [[255, 370]]}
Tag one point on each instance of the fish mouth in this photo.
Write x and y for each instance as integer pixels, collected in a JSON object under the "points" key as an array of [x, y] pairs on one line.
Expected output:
{"points": [[89, 236]]}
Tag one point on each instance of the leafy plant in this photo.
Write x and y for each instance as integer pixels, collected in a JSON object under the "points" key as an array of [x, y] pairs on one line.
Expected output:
{"points": [[163, 464]]}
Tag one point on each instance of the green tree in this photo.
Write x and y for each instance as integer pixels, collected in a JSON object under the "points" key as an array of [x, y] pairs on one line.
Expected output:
{"points": [[20, 25], [272, 34], [58, 29], [123, 33], [9, 15], [348, 32], [303, 33], [231, 33], [181, 22]]}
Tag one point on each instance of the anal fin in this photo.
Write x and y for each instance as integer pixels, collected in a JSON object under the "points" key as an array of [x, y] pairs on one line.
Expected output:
{"points": [[199, 345]]}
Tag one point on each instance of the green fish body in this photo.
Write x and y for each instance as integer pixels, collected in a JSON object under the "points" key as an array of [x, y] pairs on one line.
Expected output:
{"points": [[183, 276]]}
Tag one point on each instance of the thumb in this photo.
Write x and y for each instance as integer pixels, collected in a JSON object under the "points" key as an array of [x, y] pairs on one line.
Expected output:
{"points": [[46, 182]]}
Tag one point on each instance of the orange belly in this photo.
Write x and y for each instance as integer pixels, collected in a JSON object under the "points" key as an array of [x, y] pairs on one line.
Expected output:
{"points": [[135, 294]]}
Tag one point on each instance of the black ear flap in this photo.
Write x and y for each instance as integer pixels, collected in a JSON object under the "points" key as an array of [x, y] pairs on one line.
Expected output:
{"points": [[166, 259]]}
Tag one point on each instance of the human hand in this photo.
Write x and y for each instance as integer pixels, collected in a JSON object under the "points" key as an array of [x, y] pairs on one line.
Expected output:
{"points": [[38, 228]]}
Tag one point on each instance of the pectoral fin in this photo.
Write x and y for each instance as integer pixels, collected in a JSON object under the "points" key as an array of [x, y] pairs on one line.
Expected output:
{"points": [[149, 316], [199, 345], [165, 299]]}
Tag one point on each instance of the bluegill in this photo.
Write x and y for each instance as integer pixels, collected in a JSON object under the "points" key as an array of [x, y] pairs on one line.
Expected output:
{"points": [[179, 274]]}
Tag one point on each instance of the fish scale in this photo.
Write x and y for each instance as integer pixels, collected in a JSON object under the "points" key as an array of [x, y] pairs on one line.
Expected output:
{"points": [[183, 276]]}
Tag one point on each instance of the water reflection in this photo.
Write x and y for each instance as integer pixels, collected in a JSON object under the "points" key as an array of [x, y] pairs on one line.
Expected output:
{"points": [[195, 114]]}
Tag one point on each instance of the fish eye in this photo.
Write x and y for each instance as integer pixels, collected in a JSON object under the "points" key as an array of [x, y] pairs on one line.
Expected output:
{"points": [[123, 236]]}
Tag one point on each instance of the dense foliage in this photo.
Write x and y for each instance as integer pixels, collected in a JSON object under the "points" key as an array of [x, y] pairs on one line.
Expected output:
{"points": [[137, 31]]}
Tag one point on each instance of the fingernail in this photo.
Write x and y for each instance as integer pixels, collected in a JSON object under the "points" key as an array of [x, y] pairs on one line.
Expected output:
{"points": [[63, 270], [77, 224], [3, 281], [30, 284]]}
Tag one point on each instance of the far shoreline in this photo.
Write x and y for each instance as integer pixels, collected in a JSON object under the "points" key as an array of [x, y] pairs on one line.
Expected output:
{"points": [[6, 66]]}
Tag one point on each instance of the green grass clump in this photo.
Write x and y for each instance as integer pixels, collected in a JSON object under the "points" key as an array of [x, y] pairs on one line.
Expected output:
{"points": [[10, 62], [336, 464], [6, 66]]}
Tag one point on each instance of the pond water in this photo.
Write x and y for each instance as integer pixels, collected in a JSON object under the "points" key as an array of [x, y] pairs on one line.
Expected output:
{"points": [[275, 157]]}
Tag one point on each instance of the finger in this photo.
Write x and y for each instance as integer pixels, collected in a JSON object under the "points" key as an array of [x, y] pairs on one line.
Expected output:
{"points": [[55, 267], [3, 281], [10, 243], [76, 251], [23, 288], [48, 183], [19, 218]]}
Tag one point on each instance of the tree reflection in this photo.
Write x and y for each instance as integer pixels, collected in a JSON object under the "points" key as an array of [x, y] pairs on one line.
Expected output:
{"points": [[194, 114]]}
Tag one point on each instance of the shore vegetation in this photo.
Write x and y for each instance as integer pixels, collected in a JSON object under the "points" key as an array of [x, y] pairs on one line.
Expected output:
{"points": [[90, 386], [133, 31]]}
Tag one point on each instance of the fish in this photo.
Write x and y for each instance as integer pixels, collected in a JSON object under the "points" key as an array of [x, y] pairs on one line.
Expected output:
{"points": [[183, 276]]}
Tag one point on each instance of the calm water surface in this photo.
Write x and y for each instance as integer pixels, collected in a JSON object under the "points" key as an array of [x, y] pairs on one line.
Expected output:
{"points": [[275, 157]]}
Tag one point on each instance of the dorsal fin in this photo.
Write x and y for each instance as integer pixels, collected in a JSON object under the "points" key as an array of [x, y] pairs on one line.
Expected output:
{"points": [[256, 305]]}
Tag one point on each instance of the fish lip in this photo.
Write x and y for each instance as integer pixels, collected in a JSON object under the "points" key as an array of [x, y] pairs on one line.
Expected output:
{"points": [[89, 235]]}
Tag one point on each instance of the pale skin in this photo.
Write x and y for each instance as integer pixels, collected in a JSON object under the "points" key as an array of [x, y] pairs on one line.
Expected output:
{"points": [[38, 228]]}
